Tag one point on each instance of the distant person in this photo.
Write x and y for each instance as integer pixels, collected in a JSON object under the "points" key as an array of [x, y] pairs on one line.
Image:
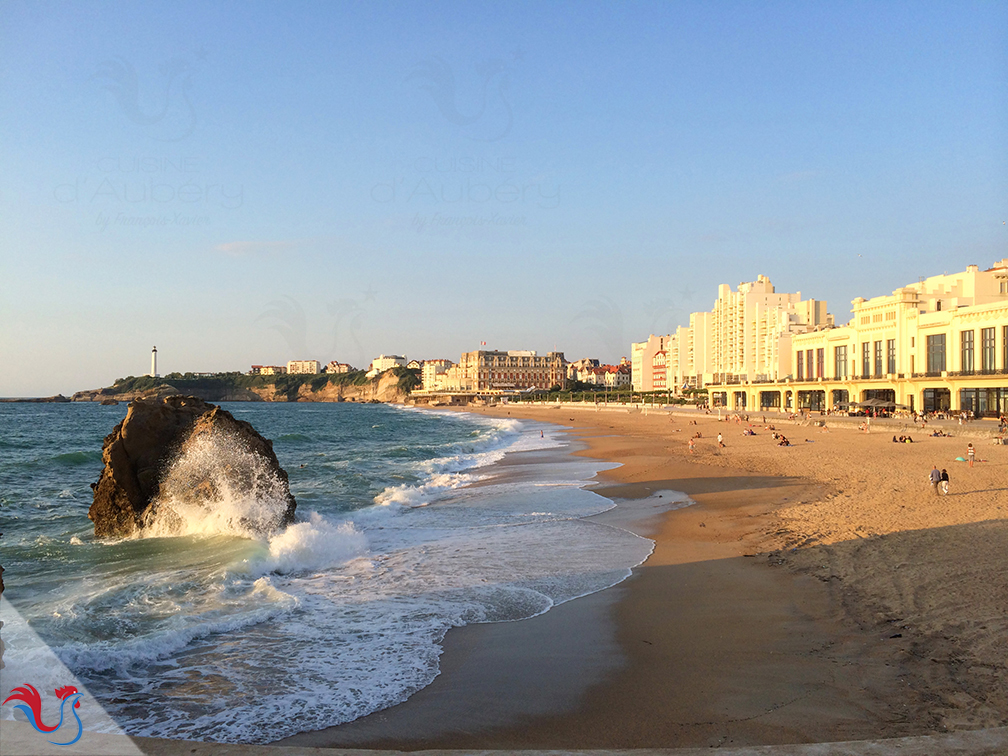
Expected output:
{"points": [[944, 482], [970, 454], [692, 445], [935, 478], [720, 443]]}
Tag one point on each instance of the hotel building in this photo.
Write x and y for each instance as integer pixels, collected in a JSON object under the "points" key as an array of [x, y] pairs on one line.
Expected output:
{"points": [[493, 371], [936, 345]]}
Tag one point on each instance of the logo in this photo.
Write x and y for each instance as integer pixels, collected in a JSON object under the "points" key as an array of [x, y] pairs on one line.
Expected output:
{"points": [[33, 709]]}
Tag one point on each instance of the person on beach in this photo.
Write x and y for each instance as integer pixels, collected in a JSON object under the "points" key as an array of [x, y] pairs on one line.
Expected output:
{"points": [[692, 445], [720, 443], [935, 478], [944, 482], [970, 454]]}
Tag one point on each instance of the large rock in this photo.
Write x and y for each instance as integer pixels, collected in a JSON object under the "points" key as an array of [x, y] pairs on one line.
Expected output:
{"points": [[141, 451]]}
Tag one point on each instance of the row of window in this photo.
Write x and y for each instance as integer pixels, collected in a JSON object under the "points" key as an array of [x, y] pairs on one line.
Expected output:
{"points": [[936, 351], [879, 358]]}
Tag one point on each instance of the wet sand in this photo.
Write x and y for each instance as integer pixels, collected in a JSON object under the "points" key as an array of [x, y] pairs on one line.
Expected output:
{"points": [[813, 593]]}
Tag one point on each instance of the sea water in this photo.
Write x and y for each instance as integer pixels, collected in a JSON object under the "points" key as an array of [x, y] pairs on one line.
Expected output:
{"points": [[224, 632]]}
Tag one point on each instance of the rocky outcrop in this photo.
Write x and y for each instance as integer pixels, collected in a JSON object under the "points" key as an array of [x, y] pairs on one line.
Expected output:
{"points": [[155, 433], [105, 395], [58, 399], [382, 388]]}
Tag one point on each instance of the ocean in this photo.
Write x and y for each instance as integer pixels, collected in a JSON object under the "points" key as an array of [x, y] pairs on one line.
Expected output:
{"points": [[404, 530]]}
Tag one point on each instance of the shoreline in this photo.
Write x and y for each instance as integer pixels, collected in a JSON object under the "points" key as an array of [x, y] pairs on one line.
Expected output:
{"points": [[723, 636]]}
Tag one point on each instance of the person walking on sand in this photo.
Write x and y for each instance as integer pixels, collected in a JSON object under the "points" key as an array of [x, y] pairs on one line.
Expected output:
{"points": [[970, 454], [935, 478], [944, 482], [692, 444], [719, 442]]}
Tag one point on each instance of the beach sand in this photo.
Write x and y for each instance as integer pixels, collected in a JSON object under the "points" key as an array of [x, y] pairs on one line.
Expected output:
{"points": [[818, 592]]}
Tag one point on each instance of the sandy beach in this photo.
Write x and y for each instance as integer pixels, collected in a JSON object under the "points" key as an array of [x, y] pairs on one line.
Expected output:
{"points": [[817, 592]]}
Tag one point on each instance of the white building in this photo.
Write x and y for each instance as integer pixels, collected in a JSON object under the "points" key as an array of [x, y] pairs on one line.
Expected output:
{"points": [[337, 367], [648, 363], [433, 374], [384, 362], [746, 336], [303, 367]]}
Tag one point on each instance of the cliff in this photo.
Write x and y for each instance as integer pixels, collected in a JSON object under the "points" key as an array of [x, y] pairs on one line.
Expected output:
{"points": [[390, 386]]}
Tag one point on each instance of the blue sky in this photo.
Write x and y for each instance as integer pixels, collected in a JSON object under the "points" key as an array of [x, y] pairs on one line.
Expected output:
{"points": [[247, 183]]}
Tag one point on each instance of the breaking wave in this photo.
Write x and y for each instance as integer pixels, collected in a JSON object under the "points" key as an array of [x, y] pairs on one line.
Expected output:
{"points": [[218, 486]]}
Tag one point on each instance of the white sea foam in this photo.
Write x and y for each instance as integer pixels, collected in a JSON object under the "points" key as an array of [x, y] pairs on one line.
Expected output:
{"points": [[314, 545], [443, 474], [218, 486]]}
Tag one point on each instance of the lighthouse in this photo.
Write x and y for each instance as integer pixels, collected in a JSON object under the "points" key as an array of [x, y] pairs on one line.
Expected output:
{"points": [[153, 362]]}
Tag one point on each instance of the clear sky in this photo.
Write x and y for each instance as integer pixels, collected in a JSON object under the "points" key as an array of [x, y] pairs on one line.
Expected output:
{"points": [[247, 183]]}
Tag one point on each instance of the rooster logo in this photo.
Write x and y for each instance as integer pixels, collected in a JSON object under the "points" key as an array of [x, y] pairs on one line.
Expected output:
{"points": [[33, 709]]}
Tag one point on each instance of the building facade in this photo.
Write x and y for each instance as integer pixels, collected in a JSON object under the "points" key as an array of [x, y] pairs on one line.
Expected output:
{"points": [[337, 367], [649, 363], [744, 337], [432, 374], [937, 345], [268, 370], [303, 367], [494, 371]]}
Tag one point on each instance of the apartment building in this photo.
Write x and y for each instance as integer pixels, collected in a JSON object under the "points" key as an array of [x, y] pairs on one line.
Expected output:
{"points": [[649, 362], [303, 367], [432, 374]]}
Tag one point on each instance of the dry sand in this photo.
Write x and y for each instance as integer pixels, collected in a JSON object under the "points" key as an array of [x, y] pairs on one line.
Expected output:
{"points": [[818, 592]]}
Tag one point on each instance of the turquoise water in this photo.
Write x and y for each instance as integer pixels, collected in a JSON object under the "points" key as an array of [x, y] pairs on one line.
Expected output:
{"points": [[226, 635]]}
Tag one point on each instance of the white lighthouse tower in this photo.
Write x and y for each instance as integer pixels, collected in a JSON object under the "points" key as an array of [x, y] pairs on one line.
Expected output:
{"points": [[153, 363]]}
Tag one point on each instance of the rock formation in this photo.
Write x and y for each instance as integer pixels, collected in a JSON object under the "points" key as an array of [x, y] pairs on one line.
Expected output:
{"points": [[142, 448]]}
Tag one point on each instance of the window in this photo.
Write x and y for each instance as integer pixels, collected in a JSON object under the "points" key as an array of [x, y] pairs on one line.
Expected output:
{"points": [[808, 363], [891, 349], [800, 365], [820, 361], [878, 359], [966, 342], [936, 353], [840, 362], [865, 359], [987, 342]]}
